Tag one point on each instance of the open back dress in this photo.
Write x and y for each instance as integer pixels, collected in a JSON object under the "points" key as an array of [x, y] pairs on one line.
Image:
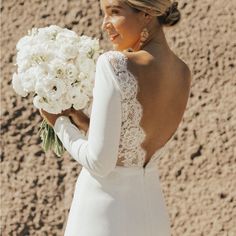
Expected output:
{"points": [[115, 193]]}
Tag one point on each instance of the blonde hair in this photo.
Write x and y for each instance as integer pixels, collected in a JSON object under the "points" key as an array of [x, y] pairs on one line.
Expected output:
{"points": [[166, 11]]}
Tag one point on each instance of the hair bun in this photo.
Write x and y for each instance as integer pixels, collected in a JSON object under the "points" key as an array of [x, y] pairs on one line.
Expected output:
{"points": [[171, 16]]}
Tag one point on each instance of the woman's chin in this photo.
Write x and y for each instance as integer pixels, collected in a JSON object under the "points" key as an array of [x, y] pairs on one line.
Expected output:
{"points": [[118, 47]]}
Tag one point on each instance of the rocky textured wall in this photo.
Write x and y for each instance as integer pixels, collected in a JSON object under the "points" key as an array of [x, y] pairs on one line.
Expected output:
{"points": [[198, 172]]}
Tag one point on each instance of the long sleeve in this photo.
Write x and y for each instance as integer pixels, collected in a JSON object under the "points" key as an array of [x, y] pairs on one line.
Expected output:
{"points": [[99, 152]]}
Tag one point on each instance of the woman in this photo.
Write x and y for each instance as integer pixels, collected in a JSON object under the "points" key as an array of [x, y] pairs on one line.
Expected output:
{"points": [[140, 94]]}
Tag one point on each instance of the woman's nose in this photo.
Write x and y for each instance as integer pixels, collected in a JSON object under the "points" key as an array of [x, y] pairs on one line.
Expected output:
{"points": [[105, 24]]}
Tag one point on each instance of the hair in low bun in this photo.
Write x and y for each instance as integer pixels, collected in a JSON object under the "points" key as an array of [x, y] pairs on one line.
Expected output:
{"points": [[171, 16], [165, 11]]}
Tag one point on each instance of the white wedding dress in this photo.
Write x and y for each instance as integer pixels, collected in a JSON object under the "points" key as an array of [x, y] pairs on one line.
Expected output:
{"points": [[115, 195]]}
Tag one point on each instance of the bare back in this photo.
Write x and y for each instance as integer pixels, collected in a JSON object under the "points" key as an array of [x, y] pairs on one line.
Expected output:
{"points": [[164, 85]]}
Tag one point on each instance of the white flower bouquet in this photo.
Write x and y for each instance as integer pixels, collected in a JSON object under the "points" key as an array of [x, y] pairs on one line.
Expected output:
{"points": [[57, 66]]}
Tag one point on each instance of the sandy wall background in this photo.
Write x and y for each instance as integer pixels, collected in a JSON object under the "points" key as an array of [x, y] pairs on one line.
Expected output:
{"points": [[198, 172]]}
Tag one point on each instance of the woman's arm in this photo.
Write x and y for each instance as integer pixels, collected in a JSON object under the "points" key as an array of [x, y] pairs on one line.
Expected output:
{"points": [[80, 119], [99, 153]]}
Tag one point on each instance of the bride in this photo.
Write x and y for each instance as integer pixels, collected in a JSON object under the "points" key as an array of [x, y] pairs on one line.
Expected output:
{"points": [[139, 98]]}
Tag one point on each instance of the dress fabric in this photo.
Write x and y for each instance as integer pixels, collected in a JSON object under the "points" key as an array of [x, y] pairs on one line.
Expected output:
{"points": [[115, 194]]}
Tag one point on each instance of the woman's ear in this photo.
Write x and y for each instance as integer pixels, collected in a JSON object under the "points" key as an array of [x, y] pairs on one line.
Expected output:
{"points": [[147, 18], [144, 17]]}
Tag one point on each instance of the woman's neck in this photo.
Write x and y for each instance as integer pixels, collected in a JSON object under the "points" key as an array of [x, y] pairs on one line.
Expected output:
{"points": [[156, 40]]}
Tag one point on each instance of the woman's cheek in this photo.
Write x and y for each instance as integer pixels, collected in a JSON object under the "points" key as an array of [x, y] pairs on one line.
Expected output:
{"points": [[118, 22]]}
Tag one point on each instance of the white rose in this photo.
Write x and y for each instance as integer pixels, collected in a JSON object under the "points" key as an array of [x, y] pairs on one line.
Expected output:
{"points": [[23, 56], [74, 94], [40, 102], [33, 32], [71, 71], [17, 86], [69, 33], [54, 88], [57, 69], [54, 28], [88, 46], [58, 66], [47, 105], [80, 100], [48, 33], [76, 97], [64, 103], [39, 54], [24, 42], [86, 86], [29, 78], [86, 65], [40, 87], [68, 51]]}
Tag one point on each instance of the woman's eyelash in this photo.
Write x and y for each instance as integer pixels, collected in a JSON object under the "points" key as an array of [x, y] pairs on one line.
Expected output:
{"points": [[114, 11]]}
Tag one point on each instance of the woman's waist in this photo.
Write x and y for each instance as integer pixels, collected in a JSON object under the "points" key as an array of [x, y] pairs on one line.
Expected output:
{"points": [[135, 170], [122, 171]]}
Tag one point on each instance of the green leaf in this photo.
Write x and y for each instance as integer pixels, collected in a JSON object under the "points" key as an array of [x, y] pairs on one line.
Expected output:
{"points": [[50, 141]]}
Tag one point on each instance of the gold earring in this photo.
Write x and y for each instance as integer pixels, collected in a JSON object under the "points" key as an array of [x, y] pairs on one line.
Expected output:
{"points": [[143, 37]]}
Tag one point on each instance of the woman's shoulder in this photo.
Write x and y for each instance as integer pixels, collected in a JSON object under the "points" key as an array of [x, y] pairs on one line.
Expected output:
{"points": [[117, 59], [124, 60], [139, 62], [139, 57], [114, 55]]}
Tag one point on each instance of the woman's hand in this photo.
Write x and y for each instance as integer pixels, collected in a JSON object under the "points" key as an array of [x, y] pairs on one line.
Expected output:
{"points": [[51, 118], [77, 116], [80, 119]]}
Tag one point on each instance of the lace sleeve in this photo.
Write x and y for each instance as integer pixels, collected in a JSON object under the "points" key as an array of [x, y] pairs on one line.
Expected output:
{"points": [[99, 153], [132, 135]]}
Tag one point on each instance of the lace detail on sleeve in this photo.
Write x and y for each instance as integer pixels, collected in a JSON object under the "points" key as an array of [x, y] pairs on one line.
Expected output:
{"points": [[132, 135]]}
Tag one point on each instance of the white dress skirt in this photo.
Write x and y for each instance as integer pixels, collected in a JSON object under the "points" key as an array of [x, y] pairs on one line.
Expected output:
{"points": [[115, 195], [128, 202]]}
